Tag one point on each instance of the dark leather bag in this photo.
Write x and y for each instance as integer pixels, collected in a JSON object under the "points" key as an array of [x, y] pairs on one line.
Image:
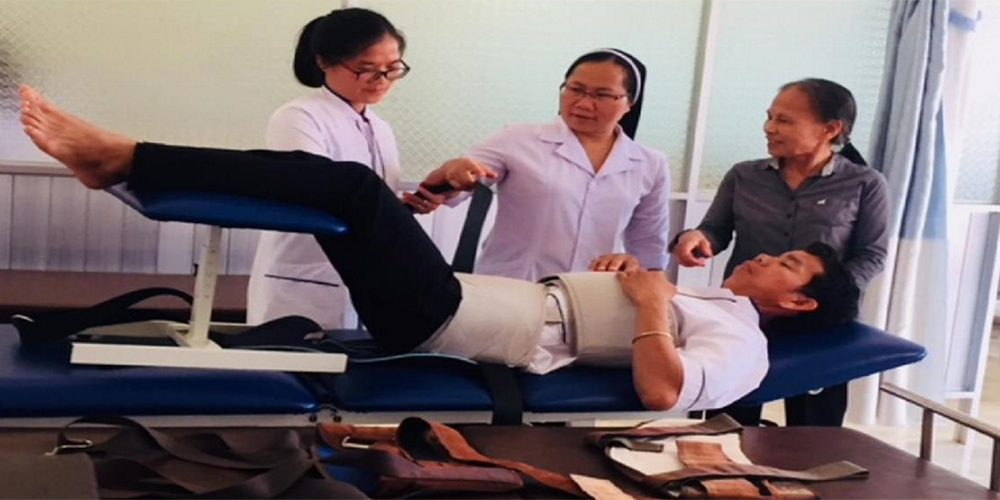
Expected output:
{"points": [[138, 462]]}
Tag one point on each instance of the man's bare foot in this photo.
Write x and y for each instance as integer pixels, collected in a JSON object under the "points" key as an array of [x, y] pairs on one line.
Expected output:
{"points": [[97, 157]]}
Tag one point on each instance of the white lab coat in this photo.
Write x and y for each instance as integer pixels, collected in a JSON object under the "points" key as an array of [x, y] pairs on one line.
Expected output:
{"points": [[290, 274], [555, 214]]}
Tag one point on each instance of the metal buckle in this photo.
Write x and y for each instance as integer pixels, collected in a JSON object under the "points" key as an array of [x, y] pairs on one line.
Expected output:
{"points": [[70, 445], [347, 443]]}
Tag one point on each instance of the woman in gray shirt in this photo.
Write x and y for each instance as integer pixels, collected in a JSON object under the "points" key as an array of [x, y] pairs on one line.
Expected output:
{"points": [[805, 192]]}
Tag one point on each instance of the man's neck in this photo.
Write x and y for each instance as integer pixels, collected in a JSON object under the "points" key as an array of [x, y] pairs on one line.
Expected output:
{"points": [[764, 316], [763, 312]]}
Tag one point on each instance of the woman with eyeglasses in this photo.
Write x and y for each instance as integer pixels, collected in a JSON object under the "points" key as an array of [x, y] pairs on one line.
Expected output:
{"points": [[575, 193], [351, 57]]}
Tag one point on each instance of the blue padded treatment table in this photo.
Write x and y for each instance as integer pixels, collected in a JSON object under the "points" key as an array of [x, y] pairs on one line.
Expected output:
{"points": [[813, 360], [799, 363], [38, 381], [413, 384], [228, 211]]}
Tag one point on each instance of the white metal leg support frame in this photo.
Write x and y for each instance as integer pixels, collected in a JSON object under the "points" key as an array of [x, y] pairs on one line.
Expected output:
{"points": [[194, 349]]}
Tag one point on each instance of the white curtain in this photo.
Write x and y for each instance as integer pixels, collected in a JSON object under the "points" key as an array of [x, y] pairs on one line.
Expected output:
{"points": [[908, 145]]}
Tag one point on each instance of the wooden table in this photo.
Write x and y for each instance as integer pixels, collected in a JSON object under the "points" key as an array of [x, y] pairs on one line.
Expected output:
{"points": [[894, 473]]}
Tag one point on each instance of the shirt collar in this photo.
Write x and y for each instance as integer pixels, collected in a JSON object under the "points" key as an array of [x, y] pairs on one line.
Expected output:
{"points": [[344, 105], [708, 293], [826, 171], [558, 132]]}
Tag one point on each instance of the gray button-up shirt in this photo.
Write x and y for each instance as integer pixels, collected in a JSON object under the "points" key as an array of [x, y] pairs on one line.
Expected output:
{"points": [[846, 207]]}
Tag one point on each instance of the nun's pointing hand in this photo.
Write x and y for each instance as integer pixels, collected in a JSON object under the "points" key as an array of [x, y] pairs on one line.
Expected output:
{"points": [[461, 174]]}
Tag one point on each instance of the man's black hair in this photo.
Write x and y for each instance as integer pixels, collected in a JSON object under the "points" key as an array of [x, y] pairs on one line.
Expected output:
{"points": [[835, 292]]}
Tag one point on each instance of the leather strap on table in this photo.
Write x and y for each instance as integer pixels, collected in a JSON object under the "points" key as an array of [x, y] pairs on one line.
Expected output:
{"points": [[690, 478], [414, 430], [401, 476], [341, 436], [701, 453], [827, 472], [433, 456]]}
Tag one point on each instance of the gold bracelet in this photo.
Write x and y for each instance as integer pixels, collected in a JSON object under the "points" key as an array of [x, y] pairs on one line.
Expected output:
{"points": [[654, 333]]}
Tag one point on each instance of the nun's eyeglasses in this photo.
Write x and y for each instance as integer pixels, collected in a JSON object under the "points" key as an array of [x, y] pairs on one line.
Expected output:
{"points": [[372, 76], [577, 92]]}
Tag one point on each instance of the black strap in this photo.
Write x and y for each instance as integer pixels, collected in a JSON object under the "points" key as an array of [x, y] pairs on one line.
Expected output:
{"points": [[288, 331], [56, 325], [141, 462], [438, 189], [285, 332], [508, 405], [468, 242]]}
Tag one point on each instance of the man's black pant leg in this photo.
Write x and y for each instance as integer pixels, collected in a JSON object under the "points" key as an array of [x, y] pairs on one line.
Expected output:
{"points": [[825, 409]]}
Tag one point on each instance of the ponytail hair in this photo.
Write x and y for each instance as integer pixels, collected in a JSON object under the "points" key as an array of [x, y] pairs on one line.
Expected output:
{"points": [[852, 153], [304, 65], [338, 36]]}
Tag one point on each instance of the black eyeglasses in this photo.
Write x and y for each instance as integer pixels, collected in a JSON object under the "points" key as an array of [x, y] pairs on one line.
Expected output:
{"points": [[580, 92], [372, 76]]}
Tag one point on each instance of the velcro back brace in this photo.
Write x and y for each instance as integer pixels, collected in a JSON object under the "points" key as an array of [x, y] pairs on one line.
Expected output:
{"points": [[601, 319], [499, 321]]}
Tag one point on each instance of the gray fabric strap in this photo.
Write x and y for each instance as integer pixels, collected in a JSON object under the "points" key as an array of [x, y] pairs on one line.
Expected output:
{"points": [[637, 438], [672, 482]]}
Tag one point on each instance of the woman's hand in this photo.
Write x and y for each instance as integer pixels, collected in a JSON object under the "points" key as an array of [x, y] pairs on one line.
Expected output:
{"points": [[614, 262], [462, 174], [423, 201], [647, 288], [693, 249]]}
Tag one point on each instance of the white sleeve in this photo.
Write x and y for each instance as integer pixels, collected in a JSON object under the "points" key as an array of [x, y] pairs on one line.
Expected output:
{"points": [[647, 231], [294, 129], [724, 357], [493, 153]]}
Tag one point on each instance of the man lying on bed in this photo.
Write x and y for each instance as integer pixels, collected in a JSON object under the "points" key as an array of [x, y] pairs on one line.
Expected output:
{"points": [[689, 349]]}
